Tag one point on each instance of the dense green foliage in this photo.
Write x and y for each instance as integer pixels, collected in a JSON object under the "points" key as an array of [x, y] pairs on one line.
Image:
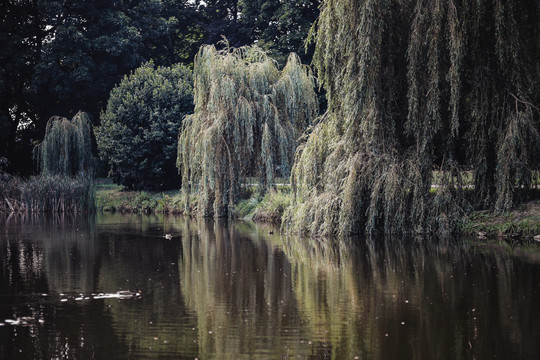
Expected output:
{"points": [[66, 149], [58, 57], [415, 86], [138, 132], [91, 45], [19, 51], [248, 116], [280, 27]]}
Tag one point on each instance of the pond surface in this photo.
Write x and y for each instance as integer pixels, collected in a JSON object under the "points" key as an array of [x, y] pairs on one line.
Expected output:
{"points": [[217, 291]]}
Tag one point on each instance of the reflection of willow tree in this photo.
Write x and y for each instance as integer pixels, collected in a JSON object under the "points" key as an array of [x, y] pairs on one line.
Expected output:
{"points": [[248, 116], [379, 300], [61, 250], [323, 277], [352, 297], [241, 294], [52, 254]]}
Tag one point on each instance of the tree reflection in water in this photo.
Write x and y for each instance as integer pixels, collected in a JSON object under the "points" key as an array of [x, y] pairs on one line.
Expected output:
{"points": [[377, 299], [234, 291]]}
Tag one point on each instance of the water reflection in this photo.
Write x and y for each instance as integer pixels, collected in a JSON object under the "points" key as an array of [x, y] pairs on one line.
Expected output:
{"points": [[239, 291], [242, 294], [392, 299], [45, 260]]}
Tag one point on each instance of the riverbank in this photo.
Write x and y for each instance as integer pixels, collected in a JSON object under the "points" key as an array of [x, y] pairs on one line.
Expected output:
{"points": [[114, 198], [521, 224]]}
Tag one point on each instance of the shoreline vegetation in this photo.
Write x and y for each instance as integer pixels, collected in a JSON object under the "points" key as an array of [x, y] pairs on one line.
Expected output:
{"points": [[521, 225], [47, 194], [384, 133], [111, 197]]}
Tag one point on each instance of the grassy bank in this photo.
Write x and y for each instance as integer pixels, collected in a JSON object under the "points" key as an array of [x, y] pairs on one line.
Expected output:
{"points": [[114, 198], [522, 223], [268, 208]]}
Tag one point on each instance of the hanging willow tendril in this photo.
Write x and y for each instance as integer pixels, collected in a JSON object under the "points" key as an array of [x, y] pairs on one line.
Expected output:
{"points": [[248, 116], [418, 87], [67, 147]]}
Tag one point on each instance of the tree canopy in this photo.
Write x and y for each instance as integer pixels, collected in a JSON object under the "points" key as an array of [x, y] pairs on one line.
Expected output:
{"points": [[413, 87], [58, 57], [248, 116], [280, 27], [139, 128]]}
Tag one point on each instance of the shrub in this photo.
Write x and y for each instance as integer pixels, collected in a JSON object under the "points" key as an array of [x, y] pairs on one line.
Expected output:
{"points": [[138, 132]]}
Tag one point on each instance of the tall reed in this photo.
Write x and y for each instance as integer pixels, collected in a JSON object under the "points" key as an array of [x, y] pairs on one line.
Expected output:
{"points": [[56, 193]]}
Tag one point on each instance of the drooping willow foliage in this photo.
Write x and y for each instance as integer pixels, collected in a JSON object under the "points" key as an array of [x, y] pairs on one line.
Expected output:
{"points": [[67, 147], [248, 116], [414, 87]]}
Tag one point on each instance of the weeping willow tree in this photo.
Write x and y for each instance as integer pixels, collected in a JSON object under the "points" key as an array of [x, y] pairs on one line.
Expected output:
{"points": [[66, 163], [415, 86], [248, 116], [67, 147]]}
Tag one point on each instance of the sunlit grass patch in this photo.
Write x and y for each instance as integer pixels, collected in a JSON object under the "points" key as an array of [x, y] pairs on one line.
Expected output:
{"points": [[114, 198], [269, 208], [522, 221]]}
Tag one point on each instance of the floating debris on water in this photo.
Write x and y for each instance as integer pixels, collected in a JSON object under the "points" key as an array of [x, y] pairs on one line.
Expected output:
{"points": [[23, 321], [121, 295]]}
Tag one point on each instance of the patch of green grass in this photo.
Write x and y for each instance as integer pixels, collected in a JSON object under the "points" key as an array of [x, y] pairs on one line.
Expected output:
{"points": [[271, 207], [523, 221], [247, 208], [114, 198]]}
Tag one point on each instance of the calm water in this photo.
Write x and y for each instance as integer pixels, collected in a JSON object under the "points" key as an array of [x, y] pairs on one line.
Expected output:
{"points": [[235, 291]]}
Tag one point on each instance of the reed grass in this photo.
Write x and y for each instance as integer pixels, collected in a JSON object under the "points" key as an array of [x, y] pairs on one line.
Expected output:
{"points": [[46, 193], [56, 193], [10, 193]]}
